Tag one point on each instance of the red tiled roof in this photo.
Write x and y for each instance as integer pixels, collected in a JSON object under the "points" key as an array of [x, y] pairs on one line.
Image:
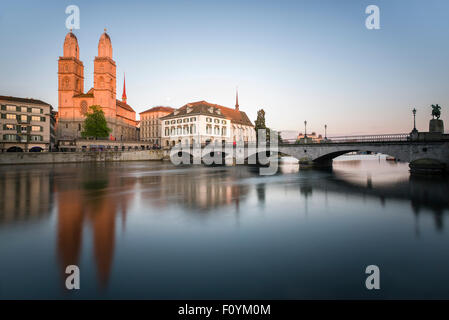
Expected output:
{"points": [[25, 100], [200, 107], [88, 94], [125, 106], [159, 108], [84, 95], [236, 116]]}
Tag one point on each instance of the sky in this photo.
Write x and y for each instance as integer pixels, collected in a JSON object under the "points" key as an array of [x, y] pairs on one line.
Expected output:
{"points": [[298, 60]]}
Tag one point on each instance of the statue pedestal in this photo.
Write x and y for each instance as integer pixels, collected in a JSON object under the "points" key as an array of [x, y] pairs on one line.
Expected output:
{"points": [[436, 126]]}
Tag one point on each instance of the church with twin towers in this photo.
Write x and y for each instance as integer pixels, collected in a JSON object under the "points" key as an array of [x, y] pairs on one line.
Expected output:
{"points": [[74, 103]]}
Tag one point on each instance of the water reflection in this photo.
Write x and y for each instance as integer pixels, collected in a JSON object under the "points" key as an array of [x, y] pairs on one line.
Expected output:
{"points": [[94, 198], [25, 195], [92, 201]]}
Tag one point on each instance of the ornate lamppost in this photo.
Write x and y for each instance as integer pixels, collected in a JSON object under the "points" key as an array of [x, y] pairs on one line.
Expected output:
{"points": [[305, 129], [414, 120], [325, 132]]}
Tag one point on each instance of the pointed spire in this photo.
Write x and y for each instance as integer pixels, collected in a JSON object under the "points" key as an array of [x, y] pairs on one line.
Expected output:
{"points": [[237, 99], [124, 89]]}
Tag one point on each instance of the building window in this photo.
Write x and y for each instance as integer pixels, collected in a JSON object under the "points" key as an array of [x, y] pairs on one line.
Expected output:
{"points": [[36, 128], [223, 131], [35, 110], [208, 129], [10, 137], [35, 118], [36, 138], [9, 127], [208, 119], [83, 107], [217, 130], [192, 119], [216, 121], [11, 116]]}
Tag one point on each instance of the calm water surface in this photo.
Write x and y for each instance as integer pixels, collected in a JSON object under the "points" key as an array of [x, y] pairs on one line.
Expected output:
{"points": [[153, 230]]}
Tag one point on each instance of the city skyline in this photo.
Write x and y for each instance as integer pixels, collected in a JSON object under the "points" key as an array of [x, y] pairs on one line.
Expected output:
{"points": [[317, 62]]}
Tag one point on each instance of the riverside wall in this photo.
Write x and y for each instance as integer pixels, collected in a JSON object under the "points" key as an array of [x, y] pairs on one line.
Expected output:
{"points": [[70, 157]]}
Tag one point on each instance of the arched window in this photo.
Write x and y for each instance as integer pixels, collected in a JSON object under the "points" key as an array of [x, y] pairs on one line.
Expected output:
{"points": [[66, 83], [83, 107]]}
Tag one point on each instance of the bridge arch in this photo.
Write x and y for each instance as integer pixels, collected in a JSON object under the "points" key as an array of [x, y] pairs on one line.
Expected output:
{"points": [[259, 157], [433, 154]]}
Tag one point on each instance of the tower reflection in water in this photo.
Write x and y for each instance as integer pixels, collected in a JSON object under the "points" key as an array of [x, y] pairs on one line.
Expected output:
{"points": [[94, 199], [101, 193]]}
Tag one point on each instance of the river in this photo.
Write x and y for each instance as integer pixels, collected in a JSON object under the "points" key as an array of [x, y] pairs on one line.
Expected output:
{"points": [[151, 230]]}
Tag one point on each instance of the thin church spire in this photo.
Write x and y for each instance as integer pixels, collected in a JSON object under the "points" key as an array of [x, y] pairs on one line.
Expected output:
{"points": [[124, 89], [237, 99]]}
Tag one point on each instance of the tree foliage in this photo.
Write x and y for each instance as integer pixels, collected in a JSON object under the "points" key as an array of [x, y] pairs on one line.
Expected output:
{"points": [[95, 125]]}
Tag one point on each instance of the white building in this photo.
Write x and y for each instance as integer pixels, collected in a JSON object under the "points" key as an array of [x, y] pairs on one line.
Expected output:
{"points": [[204, 122]]}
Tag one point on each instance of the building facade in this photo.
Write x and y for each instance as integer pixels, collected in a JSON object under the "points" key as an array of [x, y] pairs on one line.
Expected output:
{"points": [[310, 138], [150, 124], [73, 103], [204, 122], [26, 125]]}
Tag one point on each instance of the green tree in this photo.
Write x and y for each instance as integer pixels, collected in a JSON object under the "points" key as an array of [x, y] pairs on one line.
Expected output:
{"points": [[95, 125]]}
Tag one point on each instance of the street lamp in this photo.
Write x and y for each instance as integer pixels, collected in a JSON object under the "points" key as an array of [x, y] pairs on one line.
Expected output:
{"points": [[325, 132], [414, 119]]}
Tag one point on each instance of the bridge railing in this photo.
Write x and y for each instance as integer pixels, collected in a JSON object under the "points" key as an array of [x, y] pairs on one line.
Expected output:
{"points": [[395, 137]]}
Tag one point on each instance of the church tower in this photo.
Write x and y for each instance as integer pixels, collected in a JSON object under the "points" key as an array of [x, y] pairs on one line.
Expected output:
{"points": [[70, 80], [70, 83], [105, 77]]}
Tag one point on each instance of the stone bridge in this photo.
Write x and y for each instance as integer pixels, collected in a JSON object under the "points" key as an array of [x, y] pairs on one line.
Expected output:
{"points": [[430, 156], [417, 153]]}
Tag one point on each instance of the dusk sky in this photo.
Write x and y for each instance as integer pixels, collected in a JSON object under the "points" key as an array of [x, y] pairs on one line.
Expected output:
{"points": [[298, 60]]}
